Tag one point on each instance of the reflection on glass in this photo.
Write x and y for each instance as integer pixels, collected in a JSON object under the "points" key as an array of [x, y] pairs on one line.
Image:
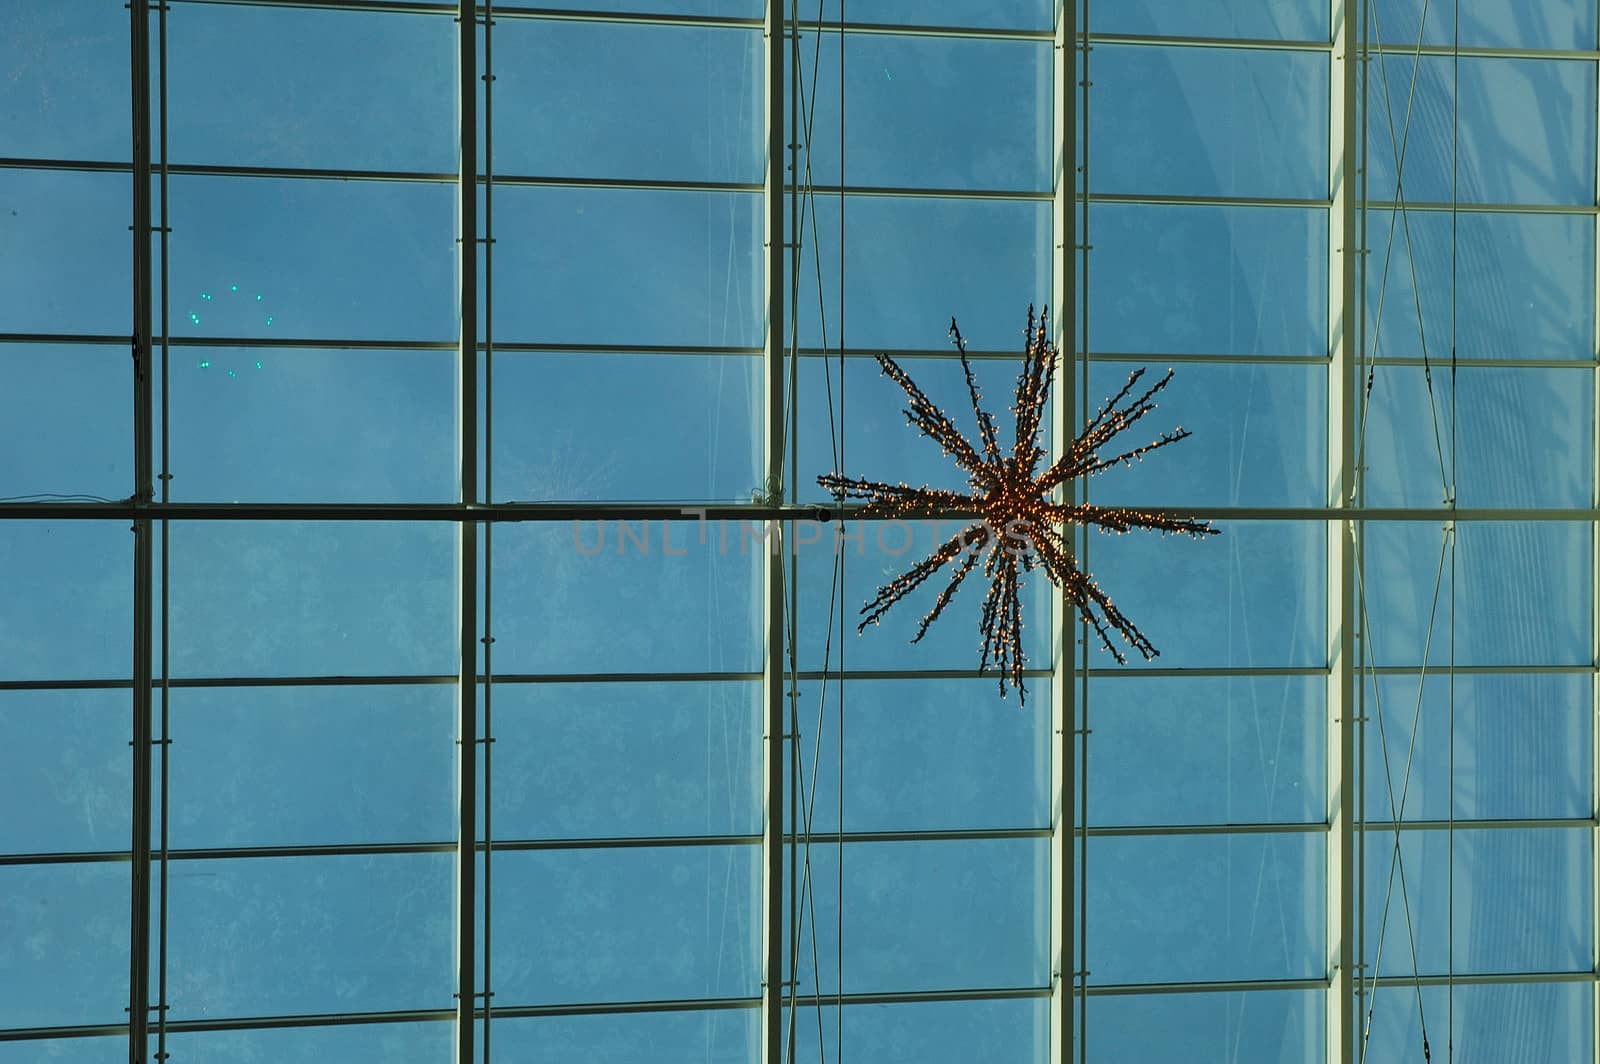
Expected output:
{"points": [[78, 278], [934, 1032], [1252, 1025], [68, 605], [65, 420], [1519, 1023], [419, 1042], [65, 761], [724, 1036], [63, 61], [1285, 20], [66, 934]]}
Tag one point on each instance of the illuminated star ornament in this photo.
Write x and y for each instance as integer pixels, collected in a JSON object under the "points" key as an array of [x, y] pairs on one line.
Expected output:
{"points": [[1017, 524]]}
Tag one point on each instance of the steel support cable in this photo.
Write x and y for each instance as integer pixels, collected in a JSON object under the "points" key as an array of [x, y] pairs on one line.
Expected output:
{"points": [[1398, 147], [1397, 812], [838, 1030]]}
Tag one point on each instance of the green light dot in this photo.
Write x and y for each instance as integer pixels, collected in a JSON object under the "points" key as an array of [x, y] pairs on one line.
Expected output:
{"points": [[231, 373], [233, 288], [258, 365], [269, 319], [205, 295], [258, 297], [193, 317], [205, 365]]}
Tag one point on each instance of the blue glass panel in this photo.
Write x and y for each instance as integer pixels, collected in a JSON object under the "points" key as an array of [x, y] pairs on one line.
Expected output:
{"points": [[66, 422], [1523, 593], [1524, 286], [1565, 24], [925, 755], [921, 112], [1206, 907], [572, 256], [1292, 20], [1523, 900], [1210, 1028], [627, 596], [1521, 746], [363, 260], [78, 276], [106, 1050], [256, 598], [873, 553], [68, 608], [367, 426], [1259, 436], [601, 760], [971, 14], [1521, 437], [367, 1043], [686, 106], [310, 765], [944, 915], [1522, 1023], [649, 924], [66, 933], [627, 427], [1227, 750], [912, 264], [265, 936], [1524, 134], [1253, 596], [63, 61], [1208, 280], [66, 761], [1209, 122], [936, 1032], [275, 86], [747, 9], [726, 1036]]}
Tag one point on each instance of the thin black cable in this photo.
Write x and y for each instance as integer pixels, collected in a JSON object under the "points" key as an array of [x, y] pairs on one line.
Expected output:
{"points": [[839, 687]]}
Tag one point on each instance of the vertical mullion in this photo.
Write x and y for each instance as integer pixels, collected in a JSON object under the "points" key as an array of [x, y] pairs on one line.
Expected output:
{"points": [[467, 416], [1594, 613], [1343, 392], [1062, 708], [772, 679], [139, 936]]}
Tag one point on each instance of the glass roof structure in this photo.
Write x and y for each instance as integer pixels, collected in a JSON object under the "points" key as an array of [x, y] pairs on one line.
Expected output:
{"points": [[424, 637]]}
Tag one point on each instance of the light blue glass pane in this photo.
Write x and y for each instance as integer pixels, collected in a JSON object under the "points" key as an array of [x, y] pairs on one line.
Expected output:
{"points": [[357, 260], [66, 422], [1527, 1023], [1524, 286], [66, 933], [1522, 437], [63, 60], [1293, 20], [1208, 280], [68, 609], [66, 761], [282, 936], [945, 915], [627, 427], [651, 924], [1209, 122], [866, 410], [1252, 596], [627, 596], [726, 1036], [108, 1050], [273, 86], [921, 111], [599, 760], [367, 426], [367, 1043], [598, 99], [1206, 907], [748, 9], [1523, 900], [925, 755], [1521, 746], [254, 598], [1209, 1028], [973, 14], [1259, 436], [941, 1032], [912, 264], [1523, 593], [312, 765], [874, 553], [77, 274], [627, 266], [1231, 750], [1525, 132], [1565, 24]]}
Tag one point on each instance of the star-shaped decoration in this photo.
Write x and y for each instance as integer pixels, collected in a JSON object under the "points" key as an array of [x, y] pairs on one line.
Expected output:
{"points": [[1017, 523]]}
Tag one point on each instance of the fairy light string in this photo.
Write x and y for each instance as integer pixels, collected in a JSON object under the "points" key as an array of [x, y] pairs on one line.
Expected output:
{"points": [[1017, 526]]}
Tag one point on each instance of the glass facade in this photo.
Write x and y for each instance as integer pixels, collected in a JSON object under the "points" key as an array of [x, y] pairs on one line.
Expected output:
{"points": [[425, 637]]}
